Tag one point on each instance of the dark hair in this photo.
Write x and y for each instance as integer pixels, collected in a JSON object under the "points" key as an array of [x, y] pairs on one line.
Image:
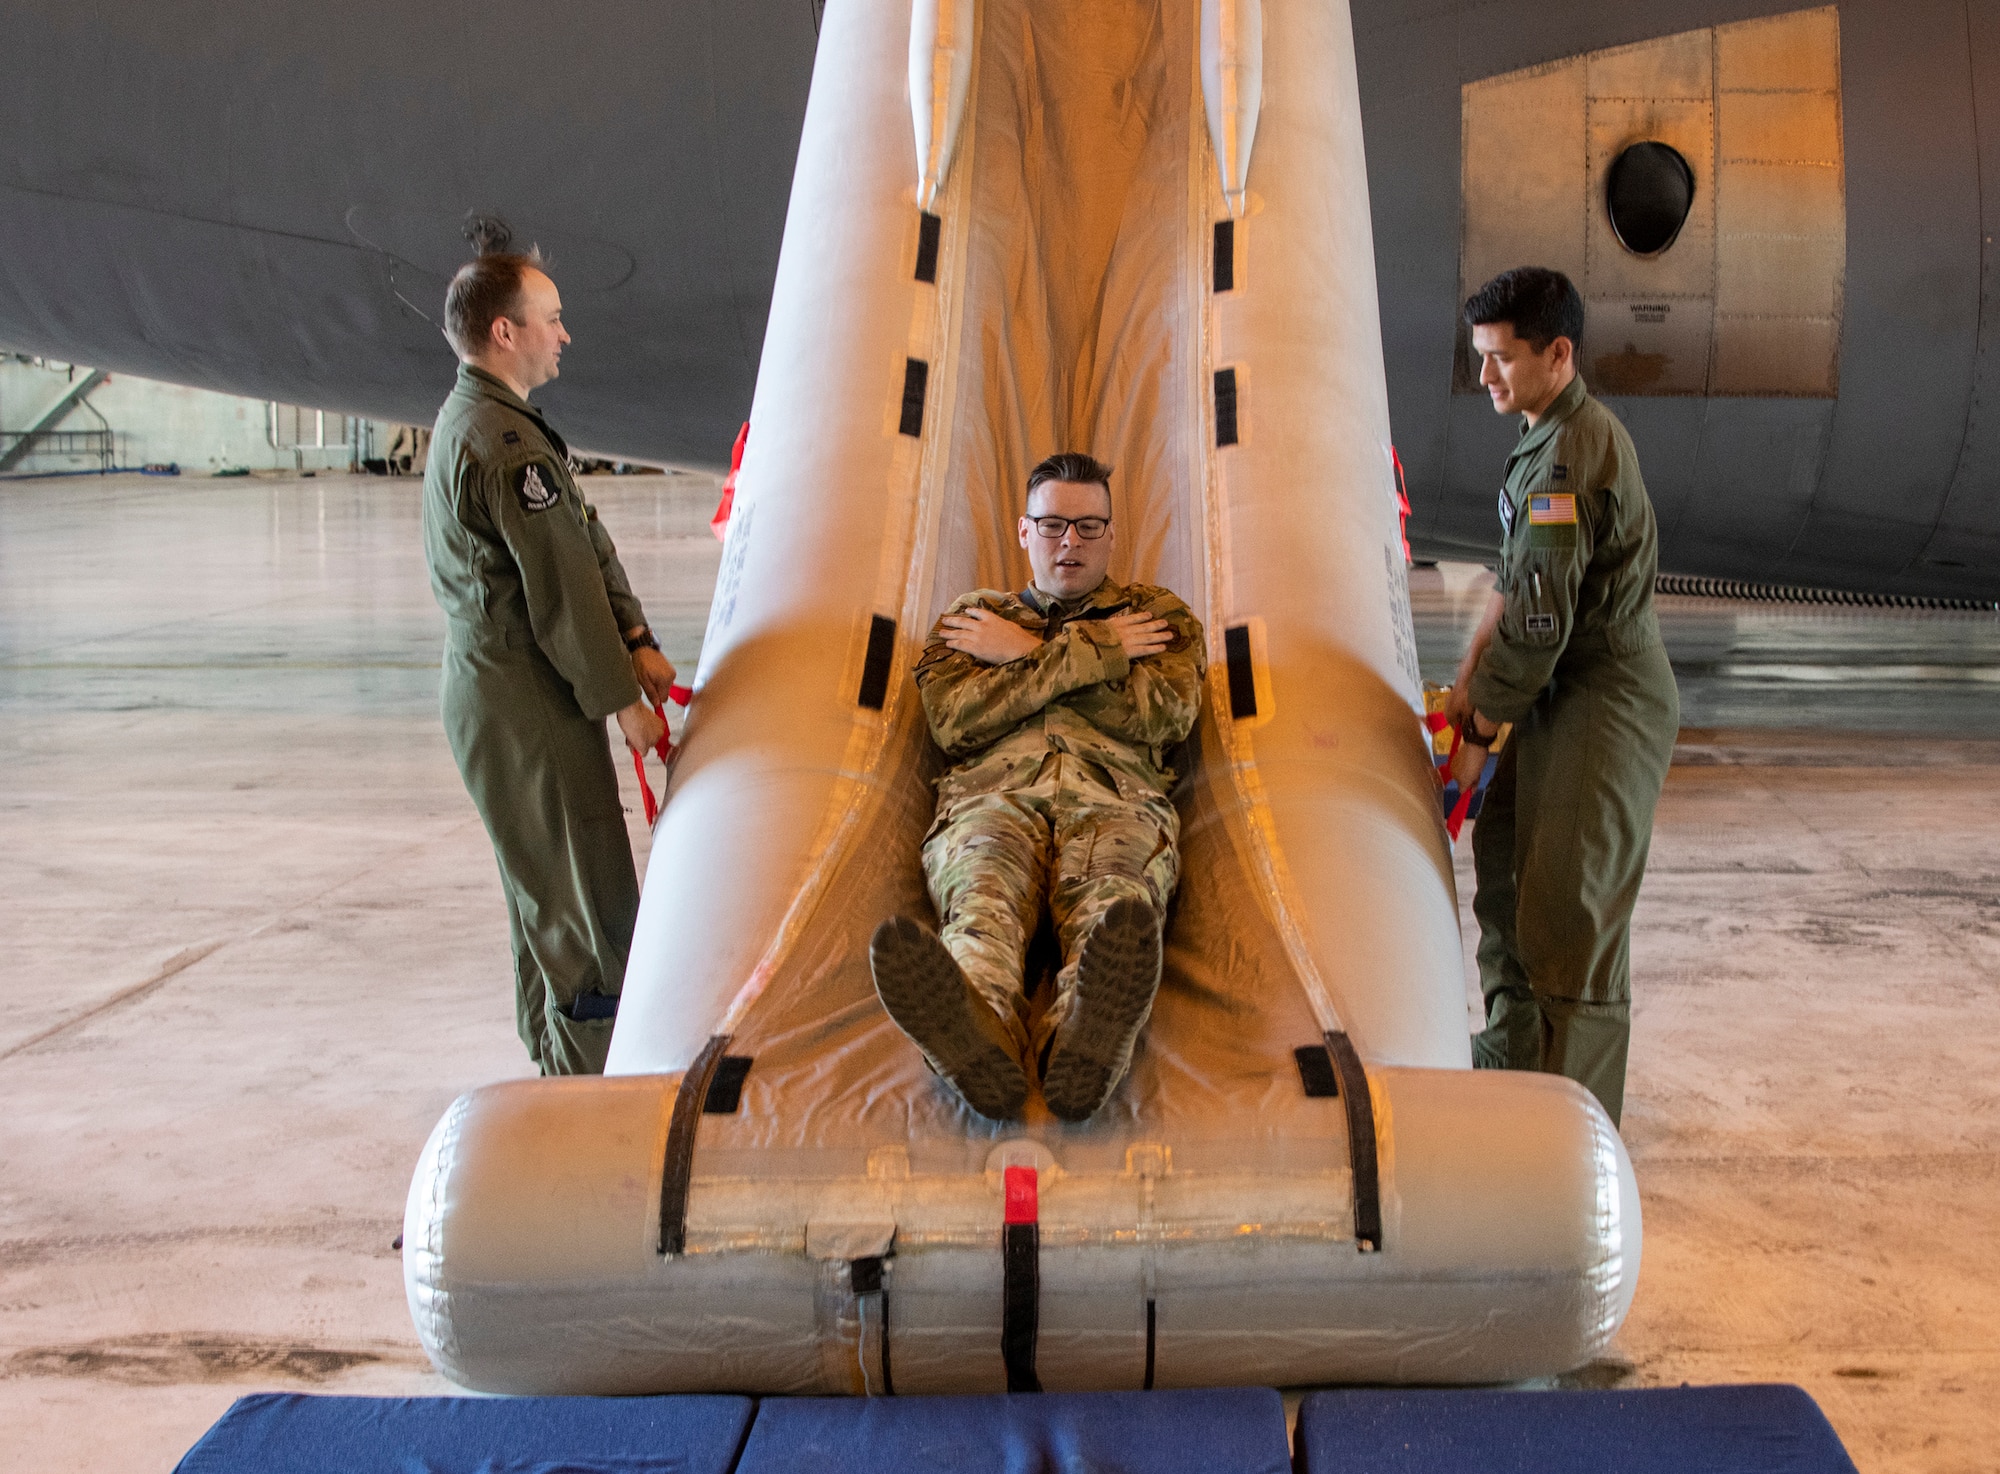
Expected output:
{"points": [[485, 288], [1541, 305], [1070, 465]]}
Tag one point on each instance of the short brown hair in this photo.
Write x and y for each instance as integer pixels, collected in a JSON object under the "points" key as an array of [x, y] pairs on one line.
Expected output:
{"points": [[486, 287], [1070, 465]]}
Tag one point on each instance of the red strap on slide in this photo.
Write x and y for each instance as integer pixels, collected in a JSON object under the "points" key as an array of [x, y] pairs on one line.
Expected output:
{"points": [[1455, 820], [680, 696], [1023, 1205], [1402, 502], [719, 523]]}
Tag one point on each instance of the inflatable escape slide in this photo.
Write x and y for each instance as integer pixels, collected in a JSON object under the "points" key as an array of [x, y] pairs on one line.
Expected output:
{"points": [[1137, 228]]}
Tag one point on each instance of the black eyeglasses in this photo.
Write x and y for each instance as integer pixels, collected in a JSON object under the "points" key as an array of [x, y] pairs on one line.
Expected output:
{"points": [[1090, 529]]}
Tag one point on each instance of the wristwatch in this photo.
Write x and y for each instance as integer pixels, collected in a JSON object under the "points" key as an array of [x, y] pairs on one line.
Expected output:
{"points": [[1469, 733], [644, 640]]}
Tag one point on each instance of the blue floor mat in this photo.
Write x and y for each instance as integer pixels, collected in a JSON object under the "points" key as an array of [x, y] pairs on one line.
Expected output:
{"points": [[289, 1433], [1223, 1431], [1667, 1430]]}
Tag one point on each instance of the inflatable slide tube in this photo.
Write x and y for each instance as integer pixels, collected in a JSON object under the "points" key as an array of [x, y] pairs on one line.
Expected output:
{"points": [[769, 1193]]}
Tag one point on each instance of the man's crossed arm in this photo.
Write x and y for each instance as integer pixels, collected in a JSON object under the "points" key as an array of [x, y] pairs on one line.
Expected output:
{"points": [[991, 639], [982, 674]]}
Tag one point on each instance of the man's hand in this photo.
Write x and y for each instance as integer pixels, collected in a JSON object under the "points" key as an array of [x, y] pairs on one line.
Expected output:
{"points": [[987, 637], [1141, 633], [642, 728], [1458, 705], [1466, 765], [655, 672]]}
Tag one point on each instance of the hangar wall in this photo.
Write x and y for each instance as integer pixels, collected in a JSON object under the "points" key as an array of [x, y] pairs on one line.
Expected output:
{"points": [[128, 421]]}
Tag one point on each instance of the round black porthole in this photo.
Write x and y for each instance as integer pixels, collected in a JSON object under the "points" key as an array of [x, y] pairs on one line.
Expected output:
{"points": [[1649, 192]]}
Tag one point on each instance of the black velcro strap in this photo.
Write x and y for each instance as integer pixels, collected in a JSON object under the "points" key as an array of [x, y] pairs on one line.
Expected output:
{"points": [[725, 1091], [875, 666], [1225, 255], [928, 229], [1242, 675], [1021, 1303], [1316, 1071], [869, 1276], [916, 377], [678, 1168], [1225, 407], [1152, 1336], [1360, 1141]]}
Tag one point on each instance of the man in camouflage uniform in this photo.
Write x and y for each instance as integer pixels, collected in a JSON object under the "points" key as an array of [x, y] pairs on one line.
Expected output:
{"points": [[544, 641], [1570, 653], [1059, 706]]}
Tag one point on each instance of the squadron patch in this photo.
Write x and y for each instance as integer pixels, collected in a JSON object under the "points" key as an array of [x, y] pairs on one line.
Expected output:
{"points": [[533, 491], [1559, 473]]}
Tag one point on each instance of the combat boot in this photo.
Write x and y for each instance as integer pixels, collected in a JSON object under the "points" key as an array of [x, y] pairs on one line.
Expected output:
{"points": [[1116, 978], [925, 992]]}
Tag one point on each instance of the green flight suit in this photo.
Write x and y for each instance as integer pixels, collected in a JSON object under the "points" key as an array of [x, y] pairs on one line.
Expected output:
{"points": [[1059, 790], [1577, 665], [535, 602]]}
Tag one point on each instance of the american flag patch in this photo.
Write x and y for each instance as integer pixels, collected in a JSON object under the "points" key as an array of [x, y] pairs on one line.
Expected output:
{"points": [[1555, 508]]}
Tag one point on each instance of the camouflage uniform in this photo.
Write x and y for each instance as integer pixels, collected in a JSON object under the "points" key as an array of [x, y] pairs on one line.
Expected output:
{"points": [[535, 601], [1060, 783], [1577, 665]]}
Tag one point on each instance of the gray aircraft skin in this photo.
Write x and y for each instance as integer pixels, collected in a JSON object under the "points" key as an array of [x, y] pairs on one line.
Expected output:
{"points": [[269, 199]]}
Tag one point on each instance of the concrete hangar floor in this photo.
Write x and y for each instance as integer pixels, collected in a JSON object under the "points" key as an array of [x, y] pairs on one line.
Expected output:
{"points": [[256, 945]]}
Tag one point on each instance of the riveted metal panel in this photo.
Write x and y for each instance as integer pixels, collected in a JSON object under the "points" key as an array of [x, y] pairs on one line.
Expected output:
{"points": [[1747, 298], [1781, 215], [1523, 181]]}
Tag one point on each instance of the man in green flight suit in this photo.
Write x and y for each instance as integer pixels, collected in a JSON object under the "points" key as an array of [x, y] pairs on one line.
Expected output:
{"points": [[1059, 707], [544, 640], [1569, 652]]}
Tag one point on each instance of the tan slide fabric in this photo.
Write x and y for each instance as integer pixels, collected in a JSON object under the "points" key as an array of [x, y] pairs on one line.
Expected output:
{"points": [[770, 1193]]}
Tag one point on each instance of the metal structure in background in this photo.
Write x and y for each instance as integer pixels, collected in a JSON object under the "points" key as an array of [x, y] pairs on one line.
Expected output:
{"points": [[44, 436], [76, 445]]}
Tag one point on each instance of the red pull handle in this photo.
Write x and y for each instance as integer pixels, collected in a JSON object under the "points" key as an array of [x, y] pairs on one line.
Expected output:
{"points": [[681, 696], [665, 751], [646, 789]]}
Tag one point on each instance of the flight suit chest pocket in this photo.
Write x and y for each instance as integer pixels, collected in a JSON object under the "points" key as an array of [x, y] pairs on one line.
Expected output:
{"points": [[1532, 593]]}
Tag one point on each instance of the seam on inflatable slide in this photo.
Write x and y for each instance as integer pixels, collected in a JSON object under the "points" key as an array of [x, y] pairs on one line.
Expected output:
{"points": [[857, 785], [1266, 854], [440, 1333], [1608, 1273]]}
